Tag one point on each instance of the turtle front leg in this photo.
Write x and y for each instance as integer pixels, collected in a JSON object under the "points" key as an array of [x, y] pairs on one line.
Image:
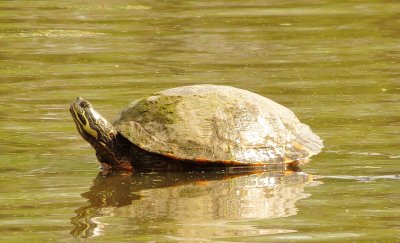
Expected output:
{"points": [[113, 163]]}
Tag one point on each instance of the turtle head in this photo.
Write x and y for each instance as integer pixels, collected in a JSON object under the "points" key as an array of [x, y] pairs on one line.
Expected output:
{"points": [[90, 124], [97, 131]]}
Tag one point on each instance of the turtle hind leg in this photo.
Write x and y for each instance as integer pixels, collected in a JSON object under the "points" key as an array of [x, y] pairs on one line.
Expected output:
{"points": [[294, 166]]}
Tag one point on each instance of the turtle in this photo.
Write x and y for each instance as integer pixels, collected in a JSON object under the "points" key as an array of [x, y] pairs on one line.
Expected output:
{"points": [[196, 126]]}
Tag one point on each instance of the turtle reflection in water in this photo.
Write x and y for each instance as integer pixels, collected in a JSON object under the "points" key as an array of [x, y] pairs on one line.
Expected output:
{"points": [[188, 205], [198, 126]]}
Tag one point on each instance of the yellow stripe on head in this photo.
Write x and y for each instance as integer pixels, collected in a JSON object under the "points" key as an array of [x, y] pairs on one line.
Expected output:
{"points": [[84, 123]]}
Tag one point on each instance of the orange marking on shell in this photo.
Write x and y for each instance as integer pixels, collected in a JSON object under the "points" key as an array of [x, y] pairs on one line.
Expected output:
{"points": [[298, 146], [226, 162], [287, 172], [202, 183]]}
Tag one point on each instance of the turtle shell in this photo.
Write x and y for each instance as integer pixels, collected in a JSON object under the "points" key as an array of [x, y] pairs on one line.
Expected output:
{"points": [[213, 123]]}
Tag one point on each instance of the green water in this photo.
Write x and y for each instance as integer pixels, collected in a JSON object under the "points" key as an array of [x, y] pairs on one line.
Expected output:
{"points": [[336, 64]]}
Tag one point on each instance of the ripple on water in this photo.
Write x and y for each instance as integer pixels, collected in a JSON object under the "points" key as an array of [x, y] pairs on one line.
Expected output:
{"points": [[50, 33]]}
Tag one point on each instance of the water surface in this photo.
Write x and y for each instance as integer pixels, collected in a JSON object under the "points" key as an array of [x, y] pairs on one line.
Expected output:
{"points": [[335, 64]]}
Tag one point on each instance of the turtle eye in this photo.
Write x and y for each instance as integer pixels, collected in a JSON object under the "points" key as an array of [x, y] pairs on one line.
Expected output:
{"points": [[84, 104]]}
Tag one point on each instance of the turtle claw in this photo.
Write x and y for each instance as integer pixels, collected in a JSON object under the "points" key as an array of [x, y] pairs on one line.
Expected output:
{"points": [[125, 169], [105, 169]]}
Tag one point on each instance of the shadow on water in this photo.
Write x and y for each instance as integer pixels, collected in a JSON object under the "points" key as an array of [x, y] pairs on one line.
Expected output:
{"points": [[190, 205]]}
